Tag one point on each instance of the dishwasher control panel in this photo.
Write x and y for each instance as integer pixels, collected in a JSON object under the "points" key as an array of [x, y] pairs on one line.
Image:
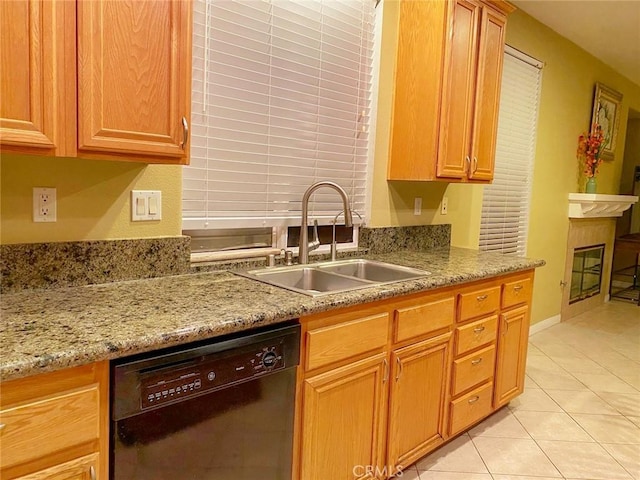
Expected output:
{"points": [[206, 374]]}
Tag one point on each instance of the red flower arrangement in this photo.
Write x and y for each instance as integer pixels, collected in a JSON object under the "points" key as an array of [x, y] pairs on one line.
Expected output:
{"points": [[589, 149]]}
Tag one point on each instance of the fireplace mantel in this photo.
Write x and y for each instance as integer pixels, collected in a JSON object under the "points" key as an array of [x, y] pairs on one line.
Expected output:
{"points": [[595, 205]]}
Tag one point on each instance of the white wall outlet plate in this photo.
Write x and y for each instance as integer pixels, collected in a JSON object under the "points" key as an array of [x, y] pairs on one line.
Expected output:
{"points": [[417, 206], [444, 207], [44, 204], [146, 205]]}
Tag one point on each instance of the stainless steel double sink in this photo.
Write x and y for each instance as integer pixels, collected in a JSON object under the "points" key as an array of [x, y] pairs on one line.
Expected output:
{"points": [[334, 277]]}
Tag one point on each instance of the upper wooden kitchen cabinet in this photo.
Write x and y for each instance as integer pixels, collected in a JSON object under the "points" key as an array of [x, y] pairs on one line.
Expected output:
{"points": [[37, 77], [447, 133], [129, 63], [134, 78]]}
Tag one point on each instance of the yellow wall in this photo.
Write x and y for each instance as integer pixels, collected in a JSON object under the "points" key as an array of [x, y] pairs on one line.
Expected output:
{"points": [[93, 199], [568, 80]]}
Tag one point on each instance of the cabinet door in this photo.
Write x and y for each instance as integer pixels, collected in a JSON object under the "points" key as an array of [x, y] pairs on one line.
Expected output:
{"points": [[487, 102], [457, 110], [418, 85], [134, 75], [417, 400], [513, 336], [343, 421], [84, 468], [32, 86]]}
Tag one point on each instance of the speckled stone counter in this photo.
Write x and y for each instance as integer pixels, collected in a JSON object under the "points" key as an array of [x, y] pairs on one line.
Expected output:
{"points": [[48, 330]]}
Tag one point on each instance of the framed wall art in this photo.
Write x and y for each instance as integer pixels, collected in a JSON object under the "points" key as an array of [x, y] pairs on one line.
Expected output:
{"points": [[606, 113]]}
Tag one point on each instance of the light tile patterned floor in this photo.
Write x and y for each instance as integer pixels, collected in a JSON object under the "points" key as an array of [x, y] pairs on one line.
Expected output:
{"points": [[579, 417]]}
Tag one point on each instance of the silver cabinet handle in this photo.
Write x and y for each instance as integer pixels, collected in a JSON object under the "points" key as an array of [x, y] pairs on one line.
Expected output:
{"points": [[476, 361], [517, 288], [92, 472], [399, 363], [2, 426], [386, 371], [478, 329], [185, 133], [475, 164], [468, 160], [474, 399], [481, 298]]}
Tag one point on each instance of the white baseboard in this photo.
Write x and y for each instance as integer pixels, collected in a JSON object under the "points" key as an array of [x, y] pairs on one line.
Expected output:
{"points": [[544, 324]]}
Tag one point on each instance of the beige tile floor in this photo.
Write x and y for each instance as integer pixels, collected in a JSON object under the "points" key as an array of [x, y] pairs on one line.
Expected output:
{"points": [[579, 417]]}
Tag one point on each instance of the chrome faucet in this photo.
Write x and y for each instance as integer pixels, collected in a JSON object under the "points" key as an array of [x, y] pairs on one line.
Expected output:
{"points": [[305, 245]]}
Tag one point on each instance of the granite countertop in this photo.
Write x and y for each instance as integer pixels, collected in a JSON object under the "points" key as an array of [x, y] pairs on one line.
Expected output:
{"points": [[47, 330]]}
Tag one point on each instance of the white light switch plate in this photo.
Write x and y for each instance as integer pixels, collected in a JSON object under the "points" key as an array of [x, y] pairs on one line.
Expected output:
{"points": [[444, 207], [146, 205]]}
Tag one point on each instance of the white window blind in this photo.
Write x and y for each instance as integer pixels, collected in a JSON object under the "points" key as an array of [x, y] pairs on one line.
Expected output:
{"points": [[505, 205], [281, 99]]}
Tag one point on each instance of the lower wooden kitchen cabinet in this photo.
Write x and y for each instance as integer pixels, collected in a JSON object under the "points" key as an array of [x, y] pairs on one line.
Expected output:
{"points": [[344, 416], [55, 425], [83, 468], [512, 355], [419, 379], [383, 384]]}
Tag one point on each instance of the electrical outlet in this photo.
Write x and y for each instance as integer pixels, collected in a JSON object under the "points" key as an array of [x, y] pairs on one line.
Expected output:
{"points": [[444, 206], [417, 206], [44, 204]]}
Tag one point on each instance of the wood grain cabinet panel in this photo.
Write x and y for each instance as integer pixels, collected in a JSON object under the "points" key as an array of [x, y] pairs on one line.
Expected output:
{"points": [[447, 90], [516, 292], [472, 100], [513, 337], [457, 111], [339, 342], [417, 90], [419, 379], [475, 334], [479, 302], [43, 427], [424, 318], [468, 409], [33, 92], [472, 369], [134, 62], [55, 425], [104, 79], [344, 421], [487, 100], [84, 468]]}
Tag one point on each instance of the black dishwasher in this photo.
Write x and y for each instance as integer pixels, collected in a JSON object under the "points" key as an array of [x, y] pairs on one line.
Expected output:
{"points": [[214, 411]]}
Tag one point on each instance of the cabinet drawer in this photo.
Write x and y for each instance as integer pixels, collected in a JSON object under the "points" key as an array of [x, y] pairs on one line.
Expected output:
{"points": [[479, 302], [331, 344], [422, 319], [470, 408], [476, 334], [515, 293], [473, 369], [43, 427]]}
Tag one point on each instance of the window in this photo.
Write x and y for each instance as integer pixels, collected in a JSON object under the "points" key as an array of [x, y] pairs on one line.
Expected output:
{"points": [[281, 99], [505, 205]]}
